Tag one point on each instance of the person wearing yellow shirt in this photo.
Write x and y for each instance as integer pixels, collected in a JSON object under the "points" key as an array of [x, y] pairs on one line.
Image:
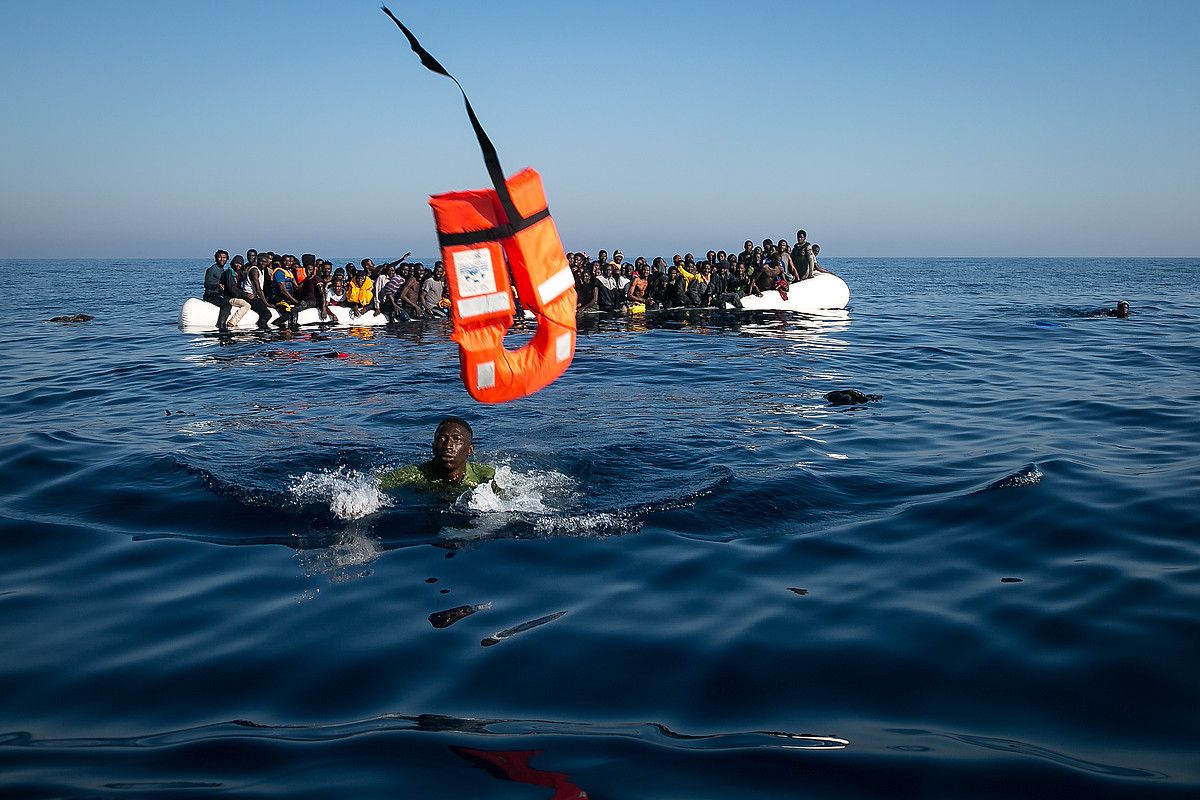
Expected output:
{"points": [[360, 293]]}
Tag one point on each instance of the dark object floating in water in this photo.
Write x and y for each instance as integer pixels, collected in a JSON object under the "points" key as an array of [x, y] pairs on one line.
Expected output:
{"points": [[73, 318], [431, 580], [851, 397], [444, 619], [496, 638], [1012, 580], [798, 591], [443, 591]]}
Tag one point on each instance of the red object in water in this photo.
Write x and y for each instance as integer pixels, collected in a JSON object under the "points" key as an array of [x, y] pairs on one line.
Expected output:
{"points": [[514, 766]]}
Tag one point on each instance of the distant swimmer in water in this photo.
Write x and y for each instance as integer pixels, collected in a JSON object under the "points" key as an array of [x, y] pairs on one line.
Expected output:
{"points": [[453, 444], [1122, 310]]}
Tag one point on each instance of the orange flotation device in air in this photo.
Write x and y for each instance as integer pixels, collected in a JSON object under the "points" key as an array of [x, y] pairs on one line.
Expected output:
{"points": [[485, 236]]}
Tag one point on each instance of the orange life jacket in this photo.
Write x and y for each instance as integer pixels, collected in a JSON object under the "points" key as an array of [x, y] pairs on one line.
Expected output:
{"points": [[483, 235], [472, 227]]}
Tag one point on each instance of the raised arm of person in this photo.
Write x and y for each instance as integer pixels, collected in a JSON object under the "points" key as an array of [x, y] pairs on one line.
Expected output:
{"points": [[688, 277], [398, 261]]}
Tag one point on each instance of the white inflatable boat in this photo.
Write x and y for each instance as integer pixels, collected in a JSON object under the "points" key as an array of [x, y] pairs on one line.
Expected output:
{"points": [[823, 291], [197, 316]]}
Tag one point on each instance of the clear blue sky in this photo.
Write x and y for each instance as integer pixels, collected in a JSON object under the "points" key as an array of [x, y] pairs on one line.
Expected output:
{"points": [[883, 128]]}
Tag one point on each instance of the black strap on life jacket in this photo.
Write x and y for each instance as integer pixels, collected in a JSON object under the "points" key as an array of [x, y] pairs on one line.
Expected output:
{"points": [[515, 221]]}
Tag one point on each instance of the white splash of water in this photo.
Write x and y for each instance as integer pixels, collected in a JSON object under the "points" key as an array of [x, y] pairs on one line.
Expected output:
{"points": [[350, 494], [533, 492], [603, 523], [545, 498]]}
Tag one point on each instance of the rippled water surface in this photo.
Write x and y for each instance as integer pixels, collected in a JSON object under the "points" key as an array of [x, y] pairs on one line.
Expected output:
{"points": [[702, 581]]}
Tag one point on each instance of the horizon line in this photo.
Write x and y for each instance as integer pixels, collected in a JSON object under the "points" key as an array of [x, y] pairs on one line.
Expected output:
{"points": [[438, 256]]}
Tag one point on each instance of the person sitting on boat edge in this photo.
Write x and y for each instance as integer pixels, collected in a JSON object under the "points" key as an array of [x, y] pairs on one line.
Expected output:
{"points": [[360, 293], [213, 287], [254, 290], [387, 292], [231, 288], [816, 251], [284, 284], [432, 289], [453, 444], [409, 298]]}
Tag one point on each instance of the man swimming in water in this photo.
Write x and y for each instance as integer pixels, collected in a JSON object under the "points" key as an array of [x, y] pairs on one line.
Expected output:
{"points": [[452, 445], [1121, 311]]}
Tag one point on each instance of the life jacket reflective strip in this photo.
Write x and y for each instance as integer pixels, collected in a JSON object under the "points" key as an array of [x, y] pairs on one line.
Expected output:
{"points": [[483, 235], [481, 296]]}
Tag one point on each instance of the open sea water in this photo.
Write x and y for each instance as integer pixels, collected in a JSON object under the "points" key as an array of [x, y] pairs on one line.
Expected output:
{"points": [[704, 581]]}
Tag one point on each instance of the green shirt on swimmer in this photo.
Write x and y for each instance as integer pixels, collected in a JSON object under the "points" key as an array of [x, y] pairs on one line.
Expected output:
{"points": [[449, 468]]}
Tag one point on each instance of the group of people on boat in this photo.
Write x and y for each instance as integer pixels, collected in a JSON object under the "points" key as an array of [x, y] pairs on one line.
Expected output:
{"points": [[402, 291], [720, 280], [262, 281]]}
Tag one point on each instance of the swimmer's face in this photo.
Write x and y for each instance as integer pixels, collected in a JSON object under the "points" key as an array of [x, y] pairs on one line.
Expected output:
{"points": [[452, 446]]}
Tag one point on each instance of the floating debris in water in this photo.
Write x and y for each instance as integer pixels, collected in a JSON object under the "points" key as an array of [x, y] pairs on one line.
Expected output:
{"points": [[798, 591], [1012, 580], [73, 318], [496, 638], [851, 397], [431, 580], [444, 619]]}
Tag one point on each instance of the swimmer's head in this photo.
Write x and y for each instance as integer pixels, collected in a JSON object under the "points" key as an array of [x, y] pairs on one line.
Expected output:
{"points": [[453, 443], [1122, 308]]}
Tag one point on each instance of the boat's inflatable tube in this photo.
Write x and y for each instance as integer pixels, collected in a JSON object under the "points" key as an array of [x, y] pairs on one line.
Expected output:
{"points": [[197, 316], [477, 241], [822, 291]]}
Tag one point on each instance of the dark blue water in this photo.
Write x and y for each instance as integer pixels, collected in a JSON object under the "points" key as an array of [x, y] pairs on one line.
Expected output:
{"points": [[986, 584]]}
